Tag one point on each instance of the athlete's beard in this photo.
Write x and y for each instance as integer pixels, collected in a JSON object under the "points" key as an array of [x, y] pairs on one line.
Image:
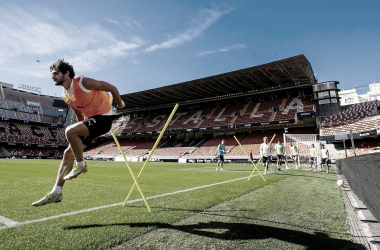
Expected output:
{"points": [[59, 82]]}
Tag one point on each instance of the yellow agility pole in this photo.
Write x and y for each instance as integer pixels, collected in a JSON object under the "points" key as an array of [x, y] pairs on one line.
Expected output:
{"points": [[130, 170], [249, 159], [151, 151], [262, 156]]}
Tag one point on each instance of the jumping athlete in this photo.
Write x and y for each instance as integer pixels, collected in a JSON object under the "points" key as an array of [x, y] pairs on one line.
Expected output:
{"points": [[220, 152], [91, 103]]}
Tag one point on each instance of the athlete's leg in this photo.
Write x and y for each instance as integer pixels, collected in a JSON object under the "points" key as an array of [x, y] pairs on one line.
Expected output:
{"points": [[66, 166], [73, 134]]}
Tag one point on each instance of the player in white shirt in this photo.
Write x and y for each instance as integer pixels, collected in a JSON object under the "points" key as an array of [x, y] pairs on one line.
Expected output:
{"points": [[313, 153], [325, 158], [266, 151], [294, 151]]}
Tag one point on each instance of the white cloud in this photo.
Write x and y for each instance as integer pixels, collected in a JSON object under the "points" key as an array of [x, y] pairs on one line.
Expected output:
{"points": [[48, 36], [137, 24], [112, 21], [221, 50], [205, 19], [95, 59]]}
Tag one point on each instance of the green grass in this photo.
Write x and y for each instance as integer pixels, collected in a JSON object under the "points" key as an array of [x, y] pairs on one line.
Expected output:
{"points": [[304, 208]]}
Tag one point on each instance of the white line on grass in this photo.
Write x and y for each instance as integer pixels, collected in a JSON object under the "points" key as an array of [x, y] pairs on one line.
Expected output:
{"points": [[11, 223], [8, 222]]}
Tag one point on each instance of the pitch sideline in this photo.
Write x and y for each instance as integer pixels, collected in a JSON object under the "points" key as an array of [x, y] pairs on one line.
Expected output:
{"points": [[10, 223]]}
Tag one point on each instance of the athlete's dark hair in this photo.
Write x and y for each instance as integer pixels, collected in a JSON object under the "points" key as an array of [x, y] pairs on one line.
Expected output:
{"points": [[63, 67]]}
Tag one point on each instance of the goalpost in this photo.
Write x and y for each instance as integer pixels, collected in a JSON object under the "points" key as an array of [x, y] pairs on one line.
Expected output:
{"points": [[303, 143]]}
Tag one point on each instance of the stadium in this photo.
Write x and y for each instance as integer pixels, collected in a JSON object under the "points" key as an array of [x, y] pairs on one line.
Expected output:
{"points": [[280, 100]]}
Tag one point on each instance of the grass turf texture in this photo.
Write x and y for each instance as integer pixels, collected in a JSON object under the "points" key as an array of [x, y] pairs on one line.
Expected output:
{"points": [[296, 209]]}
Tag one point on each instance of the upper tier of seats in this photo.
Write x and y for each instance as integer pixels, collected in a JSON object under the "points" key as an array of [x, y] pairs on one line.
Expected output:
{"points": [[249, 113], [353, 114], [13, 105], [365, 124], [33, 134]]}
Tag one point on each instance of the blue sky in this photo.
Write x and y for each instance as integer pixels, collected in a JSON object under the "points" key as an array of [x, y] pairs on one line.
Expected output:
{"points": [[140, 45]]}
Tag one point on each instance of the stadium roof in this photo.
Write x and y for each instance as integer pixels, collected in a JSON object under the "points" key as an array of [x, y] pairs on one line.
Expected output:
{"points": [[293, 72]]}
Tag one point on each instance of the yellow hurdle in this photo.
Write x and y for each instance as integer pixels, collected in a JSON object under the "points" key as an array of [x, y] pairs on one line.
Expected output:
{"points": [[249, 159], [130, 169], [151, 152], [262, 157]]}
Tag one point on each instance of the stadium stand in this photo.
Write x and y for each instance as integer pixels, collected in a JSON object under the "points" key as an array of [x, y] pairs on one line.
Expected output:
{"points": [[208, 150], [222, 116], [365, 124], [249, 113], [8, 114], [11, 95], [25, 151], [353, 114], [3, 104], [172, 153], [32, 134], [142, 148]]}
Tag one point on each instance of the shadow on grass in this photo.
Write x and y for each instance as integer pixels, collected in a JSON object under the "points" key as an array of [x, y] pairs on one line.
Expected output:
{"points": [[308, 176], [246, 231], [221, 213]]}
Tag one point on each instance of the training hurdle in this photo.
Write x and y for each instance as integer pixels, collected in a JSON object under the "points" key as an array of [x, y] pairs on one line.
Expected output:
{"points": [[130, 169], [255, 168], [150, 154]]}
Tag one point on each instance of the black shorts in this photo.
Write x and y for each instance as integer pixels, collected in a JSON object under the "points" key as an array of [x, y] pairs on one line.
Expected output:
{"points": [[265, 159], [324, 160], [312, 158], [97, 125], [279, 157], [221, 158]]}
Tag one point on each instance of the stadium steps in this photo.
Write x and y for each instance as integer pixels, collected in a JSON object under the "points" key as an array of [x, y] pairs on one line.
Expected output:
{"points": [[282, 107], [209, 116], [242, 113], [243, 110], [237, 145], [163, 145], [273, 116], [203, 142]]}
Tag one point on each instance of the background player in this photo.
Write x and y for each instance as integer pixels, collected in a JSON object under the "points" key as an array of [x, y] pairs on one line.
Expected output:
{"points": [[279, 148], [325, 158], [91, 103], [220, 152], [268, 153], [250, 157], [294, 151], [312, 157]]}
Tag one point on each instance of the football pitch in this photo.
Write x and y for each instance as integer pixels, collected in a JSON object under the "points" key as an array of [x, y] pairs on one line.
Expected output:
{"points": [[193, 207]]}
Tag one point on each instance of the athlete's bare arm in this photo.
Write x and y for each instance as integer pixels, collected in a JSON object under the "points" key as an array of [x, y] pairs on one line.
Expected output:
{"points": [[90, 84]]}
